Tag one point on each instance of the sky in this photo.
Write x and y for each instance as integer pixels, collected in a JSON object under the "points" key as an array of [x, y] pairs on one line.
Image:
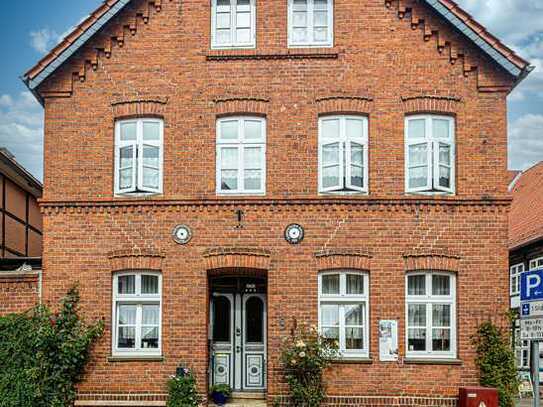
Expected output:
{"points": [[32, 27]]}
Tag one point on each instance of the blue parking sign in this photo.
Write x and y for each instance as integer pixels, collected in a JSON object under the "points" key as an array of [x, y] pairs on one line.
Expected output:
{"points": [[531, 285]]}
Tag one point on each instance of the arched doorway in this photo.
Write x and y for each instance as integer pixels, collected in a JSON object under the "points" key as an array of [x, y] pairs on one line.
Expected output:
{"points": [[238, 332]]}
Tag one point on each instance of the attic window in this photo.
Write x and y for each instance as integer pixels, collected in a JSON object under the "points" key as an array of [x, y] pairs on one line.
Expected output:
{"points": [[233, 24], [310, 23]]}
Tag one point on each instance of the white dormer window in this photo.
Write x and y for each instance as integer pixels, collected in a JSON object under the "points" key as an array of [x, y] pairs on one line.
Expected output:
{"points": [[138, 156], [310, 23], [429, 154], [233, 24]]}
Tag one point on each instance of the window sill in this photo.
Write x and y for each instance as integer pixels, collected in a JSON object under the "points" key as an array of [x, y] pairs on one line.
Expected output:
{"points": [[137, 195], [293, 53], [430, 361], [135, 358], [353, 360]]}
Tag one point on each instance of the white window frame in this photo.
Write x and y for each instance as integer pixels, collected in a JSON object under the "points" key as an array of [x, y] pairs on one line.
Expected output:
{"points": [[514, 278], [343, 299], [522, 350], [432, 180], [536, 263], [241, 144], [233, 26], [137, 187], [428, 299], [310, 26], [345, 186], [138, 300]]}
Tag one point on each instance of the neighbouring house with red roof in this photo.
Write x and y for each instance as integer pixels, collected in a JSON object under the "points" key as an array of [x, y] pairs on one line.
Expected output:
{"points": [[525, 239], [219, 170]]}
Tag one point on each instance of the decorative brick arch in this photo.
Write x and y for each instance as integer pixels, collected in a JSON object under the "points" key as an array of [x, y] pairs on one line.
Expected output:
{"points": [[430, 104], [237, 258], [139, 107], [330, 259], [344, 104], [436, 259], [137, 259], [241, 105]]}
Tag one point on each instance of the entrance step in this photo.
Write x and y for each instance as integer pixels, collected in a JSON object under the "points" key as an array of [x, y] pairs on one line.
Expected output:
{"points": [[245, 400]]}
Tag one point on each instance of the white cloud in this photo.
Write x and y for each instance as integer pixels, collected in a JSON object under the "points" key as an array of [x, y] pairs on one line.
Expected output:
{"points": [[526, 141], [44, 40], [21, 130]]}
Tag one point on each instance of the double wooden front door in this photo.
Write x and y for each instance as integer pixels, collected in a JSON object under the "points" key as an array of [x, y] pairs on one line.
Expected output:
{"points": [[238, 341]]}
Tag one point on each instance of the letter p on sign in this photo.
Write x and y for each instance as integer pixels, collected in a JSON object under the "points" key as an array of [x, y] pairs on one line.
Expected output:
{"points": [[532, 282]]}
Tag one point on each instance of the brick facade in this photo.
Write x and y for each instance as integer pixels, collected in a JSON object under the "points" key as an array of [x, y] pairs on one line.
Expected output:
{"points": [[154, 59]]}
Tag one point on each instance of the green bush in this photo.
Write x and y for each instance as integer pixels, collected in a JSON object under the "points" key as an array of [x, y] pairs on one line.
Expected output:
{"points": [[496, 362], [304, 356], [224, 389], [182, 391], [43, 355]]}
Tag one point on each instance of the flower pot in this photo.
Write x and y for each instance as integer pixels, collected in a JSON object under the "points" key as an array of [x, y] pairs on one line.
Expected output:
{"points": [[219, 398]]}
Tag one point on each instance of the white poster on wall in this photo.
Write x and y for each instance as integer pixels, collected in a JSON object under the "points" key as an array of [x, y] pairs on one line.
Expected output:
{"points": [[388, 340]]}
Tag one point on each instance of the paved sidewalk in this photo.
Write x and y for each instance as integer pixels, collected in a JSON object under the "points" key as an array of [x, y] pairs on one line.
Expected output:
{"points": [[526, 403]]}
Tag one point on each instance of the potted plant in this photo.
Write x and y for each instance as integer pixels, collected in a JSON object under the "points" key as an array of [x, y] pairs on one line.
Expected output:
{"points": [[220, 393]]}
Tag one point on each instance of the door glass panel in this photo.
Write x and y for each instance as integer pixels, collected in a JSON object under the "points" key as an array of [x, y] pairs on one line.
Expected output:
{"points": [[254, 320], [221, 319]]}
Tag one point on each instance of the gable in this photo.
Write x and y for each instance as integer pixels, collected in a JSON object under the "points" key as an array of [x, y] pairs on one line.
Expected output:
{"points": [[446, 10]]}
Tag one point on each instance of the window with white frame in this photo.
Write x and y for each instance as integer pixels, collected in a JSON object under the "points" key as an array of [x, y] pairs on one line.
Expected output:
{"points": [[138, 156], [430, 154], [515, 272], [310, 23], [344, 310], [536, 263], [233, 24], [343, 154], [241, 155], [137, 303], [431, 315], [522, 350]]}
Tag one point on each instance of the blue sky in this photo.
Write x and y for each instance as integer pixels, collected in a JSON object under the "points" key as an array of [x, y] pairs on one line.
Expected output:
{"points": [[31, 27]]}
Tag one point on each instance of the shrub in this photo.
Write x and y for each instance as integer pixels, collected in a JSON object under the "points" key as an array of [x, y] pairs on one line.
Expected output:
{"points": [[305, 356], [496, 362], [43, 355], [182, 390], [224, 389]]}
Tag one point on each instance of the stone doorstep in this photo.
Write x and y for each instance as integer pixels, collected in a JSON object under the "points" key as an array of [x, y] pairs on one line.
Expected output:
{"points": [[245, 400]]}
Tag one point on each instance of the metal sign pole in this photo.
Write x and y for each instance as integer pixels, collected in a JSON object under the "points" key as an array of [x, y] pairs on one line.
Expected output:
{"points": [[534, 351]]}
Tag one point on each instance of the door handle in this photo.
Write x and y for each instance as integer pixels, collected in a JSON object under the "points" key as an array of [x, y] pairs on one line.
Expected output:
{"points": [[238, 349]]}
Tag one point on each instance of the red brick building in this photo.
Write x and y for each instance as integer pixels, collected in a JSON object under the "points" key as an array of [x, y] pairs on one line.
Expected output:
{"points": [[216, 170]]}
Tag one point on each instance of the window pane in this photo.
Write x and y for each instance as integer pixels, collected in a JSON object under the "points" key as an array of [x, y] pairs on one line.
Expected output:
{"points": [[128, 131], [444, 154], [330, 177], [441, 315], [416, 128], [320, 18], [151, 156], [444, 177], [357, 154], [149, 284], [254, 320], [127, 157], [149, 337], [299, 19], [320, 34], [418, 155], [416, 340], [243, 35], [229, 180], [320, 4], [417, 315], [330, 154], [330, 333], [441, 285], [330, 128], [229, 130], [229, 158], [126, 284], [150, 315], [441, 340], [150, 177], [299, 35], [252, 158], [127, 314], [253, 130], [330, 315], [252, 180], [221, 319], [416, 285], [354, 338], [223, 37], [354, 314], [126, 178], [357, 177], [355, 284], [127, 338], [243, 20], [330, 284], [243, 4], [418, 177], [151, 131], [299, 4], [440, 128], [223, 20]]}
